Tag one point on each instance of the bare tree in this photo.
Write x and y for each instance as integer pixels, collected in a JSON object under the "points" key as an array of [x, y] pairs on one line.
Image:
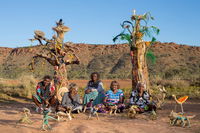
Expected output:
{"points": [[56, 53]]}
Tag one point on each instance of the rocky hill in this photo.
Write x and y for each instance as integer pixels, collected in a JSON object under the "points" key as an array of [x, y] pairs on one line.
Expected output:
{"points": [[173, 61]]}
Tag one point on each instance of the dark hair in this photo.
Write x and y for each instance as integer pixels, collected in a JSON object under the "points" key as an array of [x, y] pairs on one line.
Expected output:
{"points": [[72, 86], [98, 75], [47, 77], [113, 82]]}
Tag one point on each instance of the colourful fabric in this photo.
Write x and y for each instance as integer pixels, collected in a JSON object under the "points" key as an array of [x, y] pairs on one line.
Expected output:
{"points": [[113, 98], [38, 98], [97, 93], [45, 92], [142, 101], [92, 95], [95, 85], [103, 109]]}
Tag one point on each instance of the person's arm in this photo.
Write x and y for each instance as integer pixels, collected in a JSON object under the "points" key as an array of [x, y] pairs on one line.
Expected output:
{"points": [[87, 90], [100, 87], [65, 100], [52, 90], [106, 98], [77, 100], [146, 97], [121, 97], [132, 98], [38, 92]]}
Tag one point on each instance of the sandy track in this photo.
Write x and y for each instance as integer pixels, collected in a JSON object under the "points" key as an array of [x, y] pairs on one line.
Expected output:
{"points": [[107, 124]]}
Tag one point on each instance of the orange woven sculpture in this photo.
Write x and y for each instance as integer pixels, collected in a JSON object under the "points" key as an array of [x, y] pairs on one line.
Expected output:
{"points": [[180, 101]]}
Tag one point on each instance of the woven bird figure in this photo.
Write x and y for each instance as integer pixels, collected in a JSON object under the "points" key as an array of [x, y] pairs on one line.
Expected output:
{"points": [[180, 101]]}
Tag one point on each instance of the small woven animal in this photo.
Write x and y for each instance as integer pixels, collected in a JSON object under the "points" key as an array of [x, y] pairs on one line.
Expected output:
{"points": [[113, 109], [179, 117], [45, 122], [132, 112], [93, 111], [88, 105], [153, 115], [160, 97], [25, 117], [60, 115]]}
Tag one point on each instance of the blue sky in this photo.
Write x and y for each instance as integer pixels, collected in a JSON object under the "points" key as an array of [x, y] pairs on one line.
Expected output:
{"points": [[96, 21]]}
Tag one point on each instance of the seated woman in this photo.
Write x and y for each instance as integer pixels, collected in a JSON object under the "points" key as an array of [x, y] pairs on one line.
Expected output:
{"points": [[45, 94], [141, 98], [70, 99], [114, 96], [94, 90]]}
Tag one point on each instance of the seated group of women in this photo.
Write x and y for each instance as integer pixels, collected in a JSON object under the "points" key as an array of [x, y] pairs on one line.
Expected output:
{"points": [[95, 92]]}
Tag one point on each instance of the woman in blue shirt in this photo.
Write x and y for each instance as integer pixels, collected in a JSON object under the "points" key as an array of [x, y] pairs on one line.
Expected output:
{"points": [[114, 96]]}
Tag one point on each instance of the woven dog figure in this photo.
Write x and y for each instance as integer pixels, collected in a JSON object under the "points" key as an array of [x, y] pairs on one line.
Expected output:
{"points": [[178, 117], [45, 122], [25, 116], [132, 112], [112, 109], [60, 115], [88, 105], [93, 111]]}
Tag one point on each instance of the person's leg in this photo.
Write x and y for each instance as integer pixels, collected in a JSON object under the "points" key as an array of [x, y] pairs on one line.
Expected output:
{"points": [[139, 110], [87, 97], [36, 101], [60, 108], [121, 107], [151, 107], [99, 99], [52, 101]]}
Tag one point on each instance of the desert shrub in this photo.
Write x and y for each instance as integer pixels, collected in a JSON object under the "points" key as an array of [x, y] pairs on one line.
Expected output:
{"points": [[23, 88], [28, 84]]}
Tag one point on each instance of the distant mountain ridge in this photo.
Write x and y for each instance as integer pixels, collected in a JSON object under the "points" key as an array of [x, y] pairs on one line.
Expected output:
{"points": [[173, 61]]}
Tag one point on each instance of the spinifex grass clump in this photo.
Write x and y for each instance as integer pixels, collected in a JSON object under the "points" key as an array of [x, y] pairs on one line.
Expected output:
{"points": [[133, 32]]}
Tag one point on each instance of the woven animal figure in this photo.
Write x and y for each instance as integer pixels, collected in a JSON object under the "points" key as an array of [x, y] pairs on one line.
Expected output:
{"points": [[112, 109], [179, 117], [88, 105], [93, 112], [153, 115], [60, 115], [159, 96], [92, 109], [45, 122], [132, 112], [25, 117], [180, 101]]}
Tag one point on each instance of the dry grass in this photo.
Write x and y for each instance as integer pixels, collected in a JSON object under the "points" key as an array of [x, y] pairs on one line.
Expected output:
{"points": [[25, 87], [123, 83]]}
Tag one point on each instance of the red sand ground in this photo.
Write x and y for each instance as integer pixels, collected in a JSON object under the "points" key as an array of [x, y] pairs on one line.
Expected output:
{"points": [[9, 115]]}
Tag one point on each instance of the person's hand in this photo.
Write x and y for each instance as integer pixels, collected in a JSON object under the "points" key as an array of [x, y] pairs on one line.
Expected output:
{"points": [[46, 102], [87, 91], [93, 90]]}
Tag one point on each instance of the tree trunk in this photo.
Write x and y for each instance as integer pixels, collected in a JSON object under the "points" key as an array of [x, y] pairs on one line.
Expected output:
{"points": [[139, 66]]}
